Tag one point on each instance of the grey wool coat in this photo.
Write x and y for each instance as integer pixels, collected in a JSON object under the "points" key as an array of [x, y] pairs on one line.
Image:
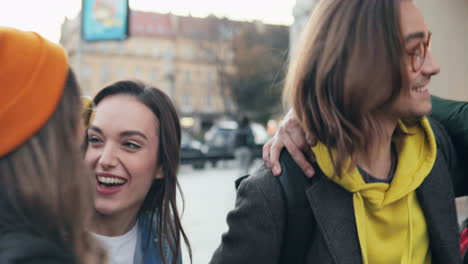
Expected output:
{"points": [[256, 225]]}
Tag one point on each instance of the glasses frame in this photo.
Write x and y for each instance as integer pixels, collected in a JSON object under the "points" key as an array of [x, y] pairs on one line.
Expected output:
{"points": [[425, 46]]}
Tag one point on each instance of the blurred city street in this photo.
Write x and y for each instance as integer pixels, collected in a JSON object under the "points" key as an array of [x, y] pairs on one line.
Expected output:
{"points": [[209, 195], [462, 208]]}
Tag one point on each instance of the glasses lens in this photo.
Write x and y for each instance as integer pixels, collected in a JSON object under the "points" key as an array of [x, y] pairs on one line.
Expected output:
{"points": [[418, 57]]}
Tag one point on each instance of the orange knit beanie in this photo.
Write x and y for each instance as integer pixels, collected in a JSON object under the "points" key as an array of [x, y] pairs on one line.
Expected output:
{"points": [[33, 72]]}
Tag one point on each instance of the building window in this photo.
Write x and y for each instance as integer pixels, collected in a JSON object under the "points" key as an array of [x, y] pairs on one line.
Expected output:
{"points": [[138, 73], [188, 77], [159, 29], [210, 99], [139, 50], [155, 52], [119, 73], [230, 56], [121, 47], [149, 28], [105, 73], [188, 53], [210, 78], [209, 102], [154, 75], [170, 51], [139, 28], [86, 72], [187, 105], [210, 55]]}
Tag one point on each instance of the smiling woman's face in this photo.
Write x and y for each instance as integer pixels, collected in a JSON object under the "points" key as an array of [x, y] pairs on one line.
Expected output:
{"points": [[122, 151]]}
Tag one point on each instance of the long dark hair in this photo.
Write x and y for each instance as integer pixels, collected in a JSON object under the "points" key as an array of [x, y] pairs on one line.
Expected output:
{"points": [[347, 71], [49, 195], [162, 195]]}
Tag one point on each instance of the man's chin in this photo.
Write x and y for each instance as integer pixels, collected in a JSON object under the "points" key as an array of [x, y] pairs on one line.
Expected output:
{"points": [[416, 116], [422, 111]]}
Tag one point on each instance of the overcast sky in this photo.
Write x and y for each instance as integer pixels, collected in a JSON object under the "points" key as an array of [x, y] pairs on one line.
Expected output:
{"points": [[46, 16]]}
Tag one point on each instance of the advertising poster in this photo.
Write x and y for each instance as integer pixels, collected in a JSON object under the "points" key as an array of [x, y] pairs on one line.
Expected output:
{"points": [[105, 19]]}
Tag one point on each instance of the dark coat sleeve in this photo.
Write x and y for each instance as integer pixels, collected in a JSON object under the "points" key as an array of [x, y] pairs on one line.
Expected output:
{"points": [[21, 248], [255, 224]]}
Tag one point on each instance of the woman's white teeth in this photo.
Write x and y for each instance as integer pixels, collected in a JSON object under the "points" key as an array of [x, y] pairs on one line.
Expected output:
{"points": [[110, 180]]}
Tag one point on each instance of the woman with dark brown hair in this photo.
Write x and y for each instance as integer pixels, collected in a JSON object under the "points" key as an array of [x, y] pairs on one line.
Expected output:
{"points": [[133, 144], [45, 199]]}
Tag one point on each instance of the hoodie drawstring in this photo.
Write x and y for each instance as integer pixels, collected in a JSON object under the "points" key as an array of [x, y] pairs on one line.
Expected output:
{"points": [[361, 222], [409, 252]]}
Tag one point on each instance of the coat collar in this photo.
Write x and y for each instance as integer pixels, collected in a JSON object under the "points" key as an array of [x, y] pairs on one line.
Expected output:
{"points": [[437, 200], [333, 210]]}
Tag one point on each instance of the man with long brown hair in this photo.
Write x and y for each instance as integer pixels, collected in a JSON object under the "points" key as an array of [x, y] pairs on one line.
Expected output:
{"points": [[382, 191]]}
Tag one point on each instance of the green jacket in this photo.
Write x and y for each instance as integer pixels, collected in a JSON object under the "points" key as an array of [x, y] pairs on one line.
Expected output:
{"points": [[453, 115]]}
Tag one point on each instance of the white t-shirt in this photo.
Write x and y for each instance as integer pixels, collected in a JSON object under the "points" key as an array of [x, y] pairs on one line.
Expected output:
{"points": [[120, 249]]}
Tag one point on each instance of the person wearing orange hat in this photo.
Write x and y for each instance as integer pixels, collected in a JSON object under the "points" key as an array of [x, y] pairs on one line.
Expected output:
{"points": [[44, 196]]}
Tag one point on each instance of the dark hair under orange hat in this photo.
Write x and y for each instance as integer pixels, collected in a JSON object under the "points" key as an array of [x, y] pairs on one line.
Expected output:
{"points": [[33, 72]]}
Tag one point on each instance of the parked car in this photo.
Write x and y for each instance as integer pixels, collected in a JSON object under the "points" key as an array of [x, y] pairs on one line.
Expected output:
{"points": [[220, 141], [191, 151]]}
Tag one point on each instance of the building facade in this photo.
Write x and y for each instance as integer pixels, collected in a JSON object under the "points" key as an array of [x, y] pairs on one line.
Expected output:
{"points": [[186, 57]]}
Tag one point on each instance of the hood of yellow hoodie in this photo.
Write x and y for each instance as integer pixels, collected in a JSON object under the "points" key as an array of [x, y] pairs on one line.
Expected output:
{"points": [[416, 152], [390, 223]]}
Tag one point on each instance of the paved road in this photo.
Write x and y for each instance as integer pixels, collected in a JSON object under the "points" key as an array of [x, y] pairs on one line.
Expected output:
{"points": [[209, 195]]}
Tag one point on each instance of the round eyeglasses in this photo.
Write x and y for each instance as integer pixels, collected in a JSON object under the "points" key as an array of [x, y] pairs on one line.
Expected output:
{"points": [[418, 56]]}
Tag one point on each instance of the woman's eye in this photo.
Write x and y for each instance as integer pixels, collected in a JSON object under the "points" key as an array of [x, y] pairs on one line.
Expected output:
{"points": [[132, 145], [93, 139]]}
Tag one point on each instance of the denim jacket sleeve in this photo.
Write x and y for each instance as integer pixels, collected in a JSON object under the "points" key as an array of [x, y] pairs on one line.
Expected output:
{"points": [[148, 251]]}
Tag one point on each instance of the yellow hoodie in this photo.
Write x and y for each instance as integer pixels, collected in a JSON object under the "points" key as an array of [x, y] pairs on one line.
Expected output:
{"points": [[390, 222]]}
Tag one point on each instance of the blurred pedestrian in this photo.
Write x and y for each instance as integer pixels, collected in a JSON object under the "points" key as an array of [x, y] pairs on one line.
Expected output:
{"points": [[382, 192], [133, 147], [45, 192], [244, 143]]}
